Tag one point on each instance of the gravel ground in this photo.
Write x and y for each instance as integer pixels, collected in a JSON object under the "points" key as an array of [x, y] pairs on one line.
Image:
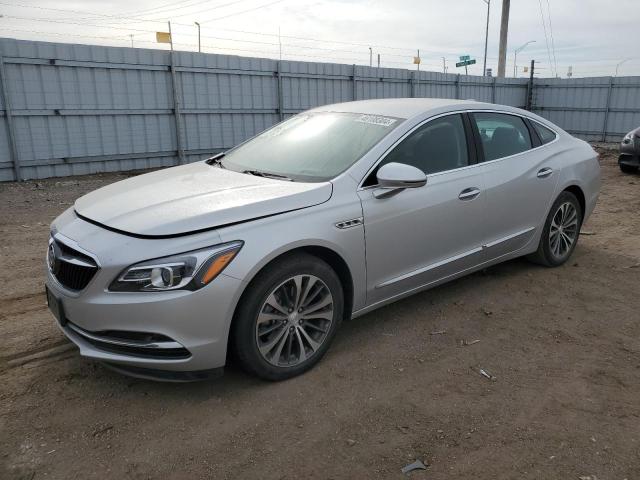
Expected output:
{"points": [[563, 345]]}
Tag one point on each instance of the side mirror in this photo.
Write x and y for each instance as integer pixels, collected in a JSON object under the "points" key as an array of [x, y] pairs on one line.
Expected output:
{"points": [[394, 177]]}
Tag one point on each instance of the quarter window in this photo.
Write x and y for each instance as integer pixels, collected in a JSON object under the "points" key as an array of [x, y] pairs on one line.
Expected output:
{"points": [[502, 135], [546, 135], [437, 146]]}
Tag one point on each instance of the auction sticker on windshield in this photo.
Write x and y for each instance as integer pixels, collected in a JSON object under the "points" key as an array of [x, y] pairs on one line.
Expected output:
{"points": [[376, 120]]}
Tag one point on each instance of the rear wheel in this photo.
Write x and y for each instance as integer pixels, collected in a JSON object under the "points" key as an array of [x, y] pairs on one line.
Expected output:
{"points": [[628, 168], [561, 231], [288, 317]]}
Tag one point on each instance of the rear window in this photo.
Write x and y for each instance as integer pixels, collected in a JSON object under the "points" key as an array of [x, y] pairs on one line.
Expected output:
{"points": [[546, 135], [502, 134]]}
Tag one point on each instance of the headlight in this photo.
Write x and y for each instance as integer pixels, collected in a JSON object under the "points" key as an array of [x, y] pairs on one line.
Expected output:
{"points": [[187, 271], [628, 137]]}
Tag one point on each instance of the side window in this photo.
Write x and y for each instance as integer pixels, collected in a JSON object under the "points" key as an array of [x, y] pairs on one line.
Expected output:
{"points": [[502, 134], [546, 135], [437, 146]]}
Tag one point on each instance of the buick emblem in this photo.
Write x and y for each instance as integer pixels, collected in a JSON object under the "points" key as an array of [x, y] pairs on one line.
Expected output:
{"points": [[52, 258]]}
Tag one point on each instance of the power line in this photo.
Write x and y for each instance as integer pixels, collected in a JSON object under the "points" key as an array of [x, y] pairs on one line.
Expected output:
{"points": [[243, 11], [203, 36], [198, 12], [409, 51], [172, 7], [553, 44], [546, 39], [94, 16], [114, 37], [145, 30], [162, 7]]}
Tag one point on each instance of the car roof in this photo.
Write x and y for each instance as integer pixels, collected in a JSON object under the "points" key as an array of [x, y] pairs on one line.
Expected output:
{"points": [[400, 107]]}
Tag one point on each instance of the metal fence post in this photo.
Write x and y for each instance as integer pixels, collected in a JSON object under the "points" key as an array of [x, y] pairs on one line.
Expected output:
{"points": [[279, 92], [457, 81], [176, 108], [606, 110], [493, 90], [529, 99], [13, 152], [412, 84], [355, 92]]}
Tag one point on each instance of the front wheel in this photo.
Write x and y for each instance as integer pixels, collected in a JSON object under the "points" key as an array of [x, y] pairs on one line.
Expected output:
{"points": [[288, 317], [561, 231]]}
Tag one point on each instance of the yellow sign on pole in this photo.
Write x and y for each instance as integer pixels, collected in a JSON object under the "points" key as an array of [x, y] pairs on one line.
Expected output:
{"points": [[416, 60], [163, 37]]}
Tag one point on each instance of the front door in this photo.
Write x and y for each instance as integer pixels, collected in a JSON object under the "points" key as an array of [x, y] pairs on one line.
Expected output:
{"points": [[420, 235]]}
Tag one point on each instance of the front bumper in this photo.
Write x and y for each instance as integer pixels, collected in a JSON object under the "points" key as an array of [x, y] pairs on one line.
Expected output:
{"points": [[150, 334], [630, 153], [195, 326], [629, 160]]}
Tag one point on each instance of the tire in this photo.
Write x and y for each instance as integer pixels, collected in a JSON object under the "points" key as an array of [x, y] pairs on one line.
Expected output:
{"points": [[628, 168], [553, 249], [261, 331]]}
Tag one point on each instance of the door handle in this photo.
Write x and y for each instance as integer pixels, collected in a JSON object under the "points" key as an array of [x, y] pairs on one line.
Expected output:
{"points": [[545, 172], [469, 193]]}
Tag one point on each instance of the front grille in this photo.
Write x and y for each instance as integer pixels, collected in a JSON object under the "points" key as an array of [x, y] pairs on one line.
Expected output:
{"points": [[72, 268]]}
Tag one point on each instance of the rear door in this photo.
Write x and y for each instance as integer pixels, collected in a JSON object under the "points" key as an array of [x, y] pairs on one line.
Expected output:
{"points": [[520, 180], [421, 235]]}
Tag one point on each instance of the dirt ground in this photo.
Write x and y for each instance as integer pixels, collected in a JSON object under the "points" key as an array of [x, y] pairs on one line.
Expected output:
{"points": [[563, 345]]}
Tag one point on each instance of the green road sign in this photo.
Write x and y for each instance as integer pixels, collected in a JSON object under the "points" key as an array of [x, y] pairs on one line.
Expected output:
{"points": [[464, 58], [465, 63]]}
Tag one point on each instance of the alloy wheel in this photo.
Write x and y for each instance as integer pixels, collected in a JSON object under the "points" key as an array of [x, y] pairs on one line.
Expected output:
{"points": [[294, 320], [564, 230]]}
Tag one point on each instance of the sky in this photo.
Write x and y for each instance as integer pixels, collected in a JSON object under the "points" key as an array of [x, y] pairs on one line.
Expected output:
{"points": [[593, 37]]}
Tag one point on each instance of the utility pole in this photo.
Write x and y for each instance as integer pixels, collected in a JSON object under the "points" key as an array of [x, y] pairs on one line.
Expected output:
{"points": [[280, 42], [378, 60], [504, 27], [131, 37], [370, 57], [486, 39], [419, 60], [444, 65], [198, 25]]}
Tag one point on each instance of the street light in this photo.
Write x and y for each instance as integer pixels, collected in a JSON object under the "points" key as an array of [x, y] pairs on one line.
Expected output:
{"points": [[620, 63], [515, 56], [486, 39], [198, 25]]}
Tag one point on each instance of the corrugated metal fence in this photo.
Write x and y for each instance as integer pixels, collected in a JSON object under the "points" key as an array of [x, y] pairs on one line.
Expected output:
{"points": [[77, 109]]}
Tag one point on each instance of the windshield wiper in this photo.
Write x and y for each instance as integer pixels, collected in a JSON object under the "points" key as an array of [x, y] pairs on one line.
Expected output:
{"points": [[259, 173], [216, 160]]}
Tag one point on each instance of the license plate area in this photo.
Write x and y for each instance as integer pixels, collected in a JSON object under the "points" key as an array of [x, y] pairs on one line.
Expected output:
{"points": [[55, 306]]}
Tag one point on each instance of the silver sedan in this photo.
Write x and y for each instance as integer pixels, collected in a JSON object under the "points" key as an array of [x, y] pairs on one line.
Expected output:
{"points": [[260, 252]]}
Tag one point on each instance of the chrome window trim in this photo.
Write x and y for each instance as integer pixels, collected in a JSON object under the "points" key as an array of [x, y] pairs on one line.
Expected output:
{"points": [[395, 144], [548, 128]]}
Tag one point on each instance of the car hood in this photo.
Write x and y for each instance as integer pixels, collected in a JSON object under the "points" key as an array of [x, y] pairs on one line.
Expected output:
{"points": [[192, 198]]}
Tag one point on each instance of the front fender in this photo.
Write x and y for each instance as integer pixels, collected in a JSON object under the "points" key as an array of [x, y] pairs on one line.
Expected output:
{"points": [[267, 239]]}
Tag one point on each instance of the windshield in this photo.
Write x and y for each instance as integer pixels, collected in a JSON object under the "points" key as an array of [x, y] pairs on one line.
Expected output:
{"points": [[312, 147]]}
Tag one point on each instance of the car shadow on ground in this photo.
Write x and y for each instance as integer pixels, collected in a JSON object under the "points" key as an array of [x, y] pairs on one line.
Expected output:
{"points": [[352, 332]]}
